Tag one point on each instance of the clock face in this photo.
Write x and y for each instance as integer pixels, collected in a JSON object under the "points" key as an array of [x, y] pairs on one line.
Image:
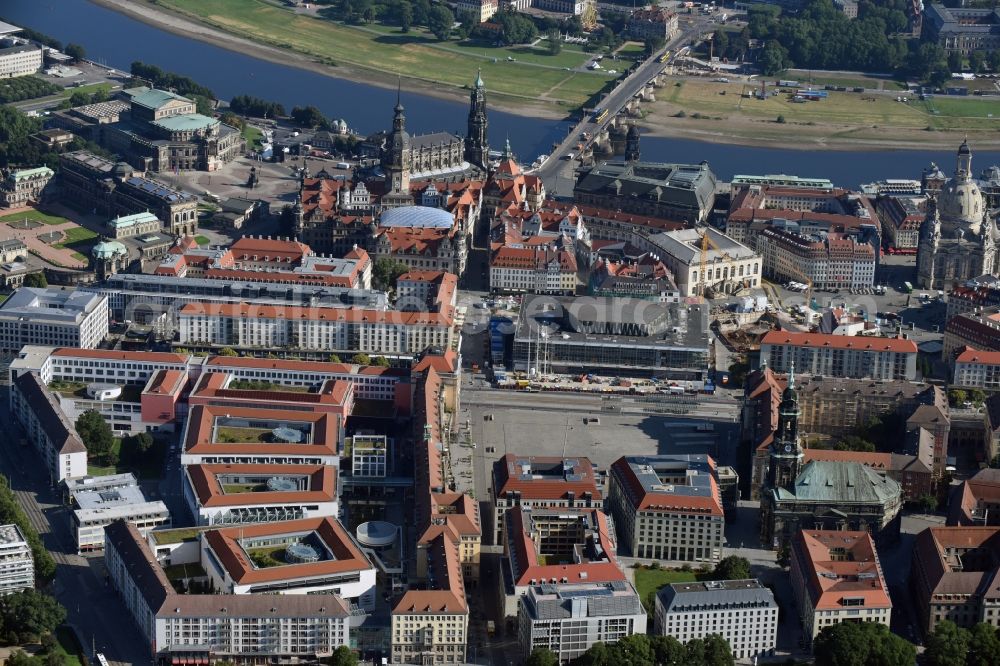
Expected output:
{"points": [[788, 448]]}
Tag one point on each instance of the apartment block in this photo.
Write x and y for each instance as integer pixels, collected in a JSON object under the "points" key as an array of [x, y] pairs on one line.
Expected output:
{"points": [[836, 577], [667, 507], [98, 501], [17, 565], [569, 618], [839, 355], [542, 482], [827, 261], [46, 428], [978, 328], [19, 60], [533, 270], [952, 574], [310, 556], [743, 612], [251, 493], [203, 628], [33, 316], [977, 370], [555, 546]]}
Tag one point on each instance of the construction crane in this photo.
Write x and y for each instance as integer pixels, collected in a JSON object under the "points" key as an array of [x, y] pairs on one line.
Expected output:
{"points": [[706, 243]]}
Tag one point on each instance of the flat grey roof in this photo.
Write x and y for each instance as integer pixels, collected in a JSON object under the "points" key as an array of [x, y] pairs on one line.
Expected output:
{"points": [[50, 305], [8, 28], [713, 595]]}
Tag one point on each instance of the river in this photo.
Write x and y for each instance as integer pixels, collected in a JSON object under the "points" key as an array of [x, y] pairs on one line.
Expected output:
{"points": [[117, 40]]}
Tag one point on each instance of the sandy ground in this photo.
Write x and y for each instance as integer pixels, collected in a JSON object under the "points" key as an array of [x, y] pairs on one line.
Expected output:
{"points": [[55, 255], [180, 25]]}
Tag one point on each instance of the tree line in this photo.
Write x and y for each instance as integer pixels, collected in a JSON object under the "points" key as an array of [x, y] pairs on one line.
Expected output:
{"points": [[820, 36], [11, 512], [643, 650]]}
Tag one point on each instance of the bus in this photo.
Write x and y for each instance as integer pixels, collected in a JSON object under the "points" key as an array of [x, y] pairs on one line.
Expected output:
{"points": [[600, 115], [665, 57], [907, 287]]}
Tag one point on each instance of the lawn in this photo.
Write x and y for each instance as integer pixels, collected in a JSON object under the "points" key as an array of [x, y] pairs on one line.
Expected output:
{"points": [[634, 50], [840, 108], [150, 465], [179, 571], [202, 240], [165, 537], [88, 89], [35, 215], [68, 646], [253, 136], [412, 54], [648, 581], [234, 488], [236, 435], [77, 238]]}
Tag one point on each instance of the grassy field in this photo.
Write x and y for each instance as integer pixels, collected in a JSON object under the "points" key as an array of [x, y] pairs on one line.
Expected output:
{"points": [[253, 136], [202, 240], [89, 89], [35, 215], [648, 581], [67, 646], [842, 108], [77, 238], [413, 55]]}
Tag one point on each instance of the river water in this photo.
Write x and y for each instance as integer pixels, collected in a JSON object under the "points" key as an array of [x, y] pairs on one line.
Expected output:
{"points": [[117, 40]]}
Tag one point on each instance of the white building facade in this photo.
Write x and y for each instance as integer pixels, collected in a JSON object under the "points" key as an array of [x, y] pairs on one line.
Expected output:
{"points": [[53, 317], [743, 612], [17, 566]]}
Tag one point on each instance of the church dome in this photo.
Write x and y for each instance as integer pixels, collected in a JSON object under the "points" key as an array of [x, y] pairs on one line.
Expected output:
{"points": [[961, 203]]}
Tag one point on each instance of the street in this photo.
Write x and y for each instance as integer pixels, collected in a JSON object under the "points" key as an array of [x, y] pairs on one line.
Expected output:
{"points": [[79, 584]]}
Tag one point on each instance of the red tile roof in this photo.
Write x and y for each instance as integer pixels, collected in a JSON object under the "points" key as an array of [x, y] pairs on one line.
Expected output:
{"points": [[580, 479], [831, 578], [820, 340], [971, 355], [111, 355], [210, 493]]}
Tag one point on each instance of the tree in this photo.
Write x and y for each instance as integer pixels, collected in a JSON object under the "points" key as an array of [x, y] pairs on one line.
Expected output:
{"points": [[977, 61], [634, 650], [227, 351], [947, 645], [717, 651], [386, 271], [993, 60], [984, 646], [780, 120], [668, 650], [361, 359], [774, 58], [977, 396], [380, 362], [36, 280], [308, 116], [955, 62], [732, 567], [333, 358], [927, 503], [404, 15], [957, 397], [542, 657], [652, 45], [204, 105], [233, 120], [555, 41], [31, 613], [860, 644], [854, 443], [75, 51], [439, 22], [343, 656], [97, 436]]}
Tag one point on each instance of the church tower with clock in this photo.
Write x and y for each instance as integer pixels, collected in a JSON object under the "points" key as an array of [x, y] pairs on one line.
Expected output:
{"points": [[786, 453]]}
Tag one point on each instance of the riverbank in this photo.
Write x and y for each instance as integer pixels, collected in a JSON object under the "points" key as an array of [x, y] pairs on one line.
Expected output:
{"points": [[769, 134], [180, 24], [718, 112]]}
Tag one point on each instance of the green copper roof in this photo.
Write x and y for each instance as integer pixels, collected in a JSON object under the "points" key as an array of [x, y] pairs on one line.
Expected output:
{"points": [[130, 220], [31, 173], [844, 482], [108, 249], [154, 99], [187, 122]]}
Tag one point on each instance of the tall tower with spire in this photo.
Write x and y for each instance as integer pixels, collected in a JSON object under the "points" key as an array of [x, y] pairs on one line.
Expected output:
{"points": [[477, 147], [786, 452], [397, 154]]}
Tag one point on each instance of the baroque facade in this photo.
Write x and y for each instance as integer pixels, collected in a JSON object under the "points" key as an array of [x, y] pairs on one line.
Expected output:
{"points": [[958, 238]]}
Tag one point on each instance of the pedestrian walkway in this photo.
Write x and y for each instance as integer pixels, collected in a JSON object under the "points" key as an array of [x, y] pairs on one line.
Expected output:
{"points": [[33, 238]]}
